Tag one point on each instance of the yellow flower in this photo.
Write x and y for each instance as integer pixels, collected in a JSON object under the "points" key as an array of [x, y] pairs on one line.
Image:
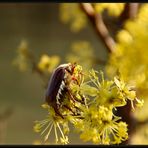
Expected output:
{"points": [[44, 62], [37, 128], [45, 105], [75, 17], [139, 103], [64, 140], [122, 130], [124, 37], [114, 9], [37, 142], [48, 63]]}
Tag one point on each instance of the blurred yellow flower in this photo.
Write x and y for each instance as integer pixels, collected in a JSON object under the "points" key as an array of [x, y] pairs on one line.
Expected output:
{"points": [[48, 63], [124, 36], [114, 9], [72, 14]]}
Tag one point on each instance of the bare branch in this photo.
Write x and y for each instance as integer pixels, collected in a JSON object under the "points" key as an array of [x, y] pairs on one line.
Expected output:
{"points": [[99, 26], [130, 11], [133, 10], [141, 123]]}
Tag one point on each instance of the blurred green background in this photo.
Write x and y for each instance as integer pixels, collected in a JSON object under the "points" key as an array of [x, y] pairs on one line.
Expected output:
{"points": [[40, 26]]}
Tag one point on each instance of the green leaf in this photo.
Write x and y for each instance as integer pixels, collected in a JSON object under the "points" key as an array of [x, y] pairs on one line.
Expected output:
{"points": [[89, 90]]}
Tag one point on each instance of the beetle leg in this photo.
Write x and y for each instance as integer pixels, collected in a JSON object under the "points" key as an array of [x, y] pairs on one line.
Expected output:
{"points": [[84, 100], [73, 98], [74, 113], [67, 107], [58, 113], [76, 80], [70, 95], [81, 101], [76, 99]]}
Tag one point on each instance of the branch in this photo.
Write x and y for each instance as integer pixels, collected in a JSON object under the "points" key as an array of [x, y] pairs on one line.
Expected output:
{"points": [[130, 11], [99, 26], [141, 123]]}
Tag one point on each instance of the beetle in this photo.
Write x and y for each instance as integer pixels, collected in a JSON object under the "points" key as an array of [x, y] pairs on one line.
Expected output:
{"points": [[58, 86]]}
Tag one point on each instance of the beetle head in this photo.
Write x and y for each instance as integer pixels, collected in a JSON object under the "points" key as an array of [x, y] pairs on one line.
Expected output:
{"points": [[70, 68]]}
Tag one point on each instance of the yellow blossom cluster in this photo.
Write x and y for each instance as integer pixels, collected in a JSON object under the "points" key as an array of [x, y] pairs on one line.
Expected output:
{"points": [[70, 13], [94, 118], [23, 56], [48, 63], [113, 9], [130, 57]]}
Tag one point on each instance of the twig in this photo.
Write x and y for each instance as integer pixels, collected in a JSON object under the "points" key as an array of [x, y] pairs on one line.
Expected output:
{"points": [[127, 116], [130, 11], [99, 26], [141, 123]]}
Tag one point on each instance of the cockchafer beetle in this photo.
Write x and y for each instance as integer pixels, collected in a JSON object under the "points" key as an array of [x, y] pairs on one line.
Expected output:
{"points": [[58, 87]]}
